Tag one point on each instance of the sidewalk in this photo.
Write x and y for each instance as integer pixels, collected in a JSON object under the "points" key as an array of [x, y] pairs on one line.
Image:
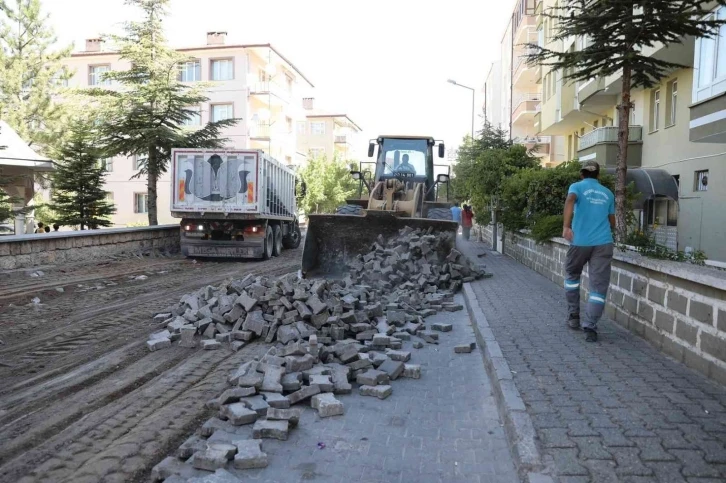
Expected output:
{"points": [[617, 410]]}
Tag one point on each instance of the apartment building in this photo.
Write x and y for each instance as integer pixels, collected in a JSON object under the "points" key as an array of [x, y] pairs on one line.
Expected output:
{"points": [[329, 134], [677, 138], [514, 88], [252, 82]]}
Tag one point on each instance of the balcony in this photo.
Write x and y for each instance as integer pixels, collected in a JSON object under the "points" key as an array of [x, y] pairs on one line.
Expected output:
{"points": [[523, 73], [601, 145], [270, 92], [525, 106], [342, 139], [540, 143], [260, 131]]}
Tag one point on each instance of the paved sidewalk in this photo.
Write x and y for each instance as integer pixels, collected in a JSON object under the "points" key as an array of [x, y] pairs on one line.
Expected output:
{"points": [[613, 411], [443, 427]]}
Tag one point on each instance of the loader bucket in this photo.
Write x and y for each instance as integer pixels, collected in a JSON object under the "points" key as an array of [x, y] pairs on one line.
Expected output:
{"points": [[333, 240]]}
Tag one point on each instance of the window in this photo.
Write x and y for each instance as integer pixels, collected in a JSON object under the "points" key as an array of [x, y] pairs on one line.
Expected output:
{"points": [[139, 161], [701, 181], [190, 71], [96, 77], [710, 62], [317, 152], [672, 104], [632, 114], [655, 110], [195, 117], [220, 112], [141, 203], [301, 127], [222, 70], [317, 127], [107, 164]]}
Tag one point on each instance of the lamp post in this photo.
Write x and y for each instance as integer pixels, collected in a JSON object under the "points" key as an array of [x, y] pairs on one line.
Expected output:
{"points": [[473, 92]]}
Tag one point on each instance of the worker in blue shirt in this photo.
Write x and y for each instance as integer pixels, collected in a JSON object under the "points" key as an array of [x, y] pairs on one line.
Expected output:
{"points": [[456, 214], [589, 221]]}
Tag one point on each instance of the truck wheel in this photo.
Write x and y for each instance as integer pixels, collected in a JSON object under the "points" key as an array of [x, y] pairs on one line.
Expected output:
{"points": [[268, 243], [292, 240], [440, 214], [277, 244], [349, 210]]}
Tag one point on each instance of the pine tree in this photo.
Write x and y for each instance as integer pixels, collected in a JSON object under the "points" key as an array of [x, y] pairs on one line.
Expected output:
{"points": [[78, 194], [31, 73], [617, 33], [146, 116]]}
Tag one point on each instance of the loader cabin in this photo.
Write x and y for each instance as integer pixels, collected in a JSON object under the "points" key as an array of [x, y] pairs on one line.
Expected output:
{"points": [[407, 157]]}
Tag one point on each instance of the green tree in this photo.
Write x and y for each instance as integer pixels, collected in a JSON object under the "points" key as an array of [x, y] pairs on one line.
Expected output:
{"points": [[145, 118], [483, 164], [328, 184], [31, 73], [618, 32], [78, 194]]}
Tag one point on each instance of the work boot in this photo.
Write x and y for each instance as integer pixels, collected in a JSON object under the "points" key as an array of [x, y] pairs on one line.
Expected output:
{"points": [[590, 335], [573, 321]]}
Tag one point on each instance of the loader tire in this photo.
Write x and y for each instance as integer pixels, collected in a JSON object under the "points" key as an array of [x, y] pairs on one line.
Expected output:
{"points": [[440, 214], [349, 210], [292, 240]]}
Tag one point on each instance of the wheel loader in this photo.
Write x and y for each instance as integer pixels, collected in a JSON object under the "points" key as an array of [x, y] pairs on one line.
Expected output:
{"points": [[400, 191]]}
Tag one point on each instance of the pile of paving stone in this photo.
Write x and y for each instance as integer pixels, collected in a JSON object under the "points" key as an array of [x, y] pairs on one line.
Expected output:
{"points": [[399, 282], [330, 336]]}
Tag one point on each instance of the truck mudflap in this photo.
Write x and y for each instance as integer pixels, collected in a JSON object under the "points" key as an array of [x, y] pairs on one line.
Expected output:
{"points": [[333, 240], [222, 249]]}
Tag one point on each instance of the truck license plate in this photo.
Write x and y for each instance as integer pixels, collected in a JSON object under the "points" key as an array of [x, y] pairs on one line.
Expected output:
{"points": [[212, 251]]}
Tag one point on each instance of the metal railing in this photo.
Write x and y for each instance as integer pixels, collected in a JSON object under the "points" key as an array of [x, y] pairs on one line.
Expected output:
{"points": [[260, 130], [533, 140], [271, 88], [529, 96], [609, 134]]}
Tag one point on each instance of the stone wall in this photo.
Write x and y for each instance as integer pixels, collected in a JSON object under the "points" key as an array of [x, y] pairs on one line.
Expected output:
{"points": [[678, 307], [25, 251], [482, 233]]}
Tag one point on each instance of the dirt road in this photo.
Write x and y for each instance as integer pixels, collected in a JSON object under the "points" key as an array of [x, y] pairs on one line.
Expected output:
{"points": [[81, 398]]}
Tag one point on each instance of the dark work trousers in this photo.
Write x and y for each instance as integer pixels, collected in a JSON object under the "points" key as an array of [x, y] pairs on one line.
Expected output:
{"points": [[599, 261]]}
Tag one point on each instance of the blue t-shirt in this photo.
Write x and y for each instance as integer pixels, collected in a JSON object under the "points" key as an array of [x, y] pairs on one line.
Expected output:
{"points": [[456, 214], [591, 226]]}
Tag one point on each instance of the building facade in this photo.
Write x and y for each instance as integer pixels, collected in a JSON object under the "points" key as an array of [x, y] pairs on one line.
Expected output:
{"points": [[253, 83], [327, 134], [677, 136], [513, 87]]}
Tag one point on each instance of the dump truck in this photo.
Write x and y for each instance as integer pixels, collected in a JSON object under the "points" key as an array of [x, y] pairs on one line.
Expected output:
{"points": [[401, 190], [233, 203]]}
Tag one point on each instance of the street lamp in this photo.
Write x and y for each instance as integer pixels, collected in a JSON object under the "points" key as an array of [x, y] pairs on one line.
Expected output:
{"points": [[452, 81]]}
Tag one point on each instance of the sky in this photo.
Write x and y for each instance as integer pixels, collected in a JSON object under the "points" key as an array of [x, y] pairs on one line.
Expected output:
{"points": [[383, 63]]}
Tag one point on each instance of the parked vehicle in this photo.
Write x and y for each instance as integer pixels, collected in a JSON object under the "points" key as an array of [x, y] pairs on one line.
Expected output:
{"points": [[233, 203]]}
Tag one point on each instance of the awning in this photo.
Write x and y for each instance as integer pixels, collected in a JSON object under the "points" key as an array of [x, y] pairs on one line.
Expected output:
{"points": [[16, 152], [650, 183]]}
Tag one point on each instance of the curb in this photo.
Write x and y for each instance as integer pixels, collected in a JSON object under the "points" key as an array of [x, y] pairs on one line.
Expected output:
{"points": [[517, 422]]}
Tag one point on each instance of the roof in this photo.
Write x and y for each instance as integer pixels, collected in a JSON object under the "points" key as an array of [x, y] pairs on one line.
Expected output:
{"points": [[320, 114], [209, 47], [650, 183], [399, 136], [16, 152]]}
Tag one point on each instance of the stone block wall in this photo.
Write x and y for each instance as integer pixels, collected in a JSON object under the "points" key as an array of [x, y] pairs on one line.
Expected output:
{"points": [[26, 251], [679, 308], [482, 234]]}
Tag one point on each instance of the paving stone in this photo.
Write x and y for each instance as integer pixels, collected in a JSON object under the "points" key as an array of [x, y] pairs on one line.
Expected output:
{"points": [[394, 369], [171, 467], [403, 356], [219, 476], [187, 337], [304, 393], [327, 405], [238, 414], [381, 392], [214, 457], [339, 377], [250, 455], [440, 327], [412, 371], [276, 400], [418, 344], [254, 322], [373, 377], [299, 363], [292, 415], [465, 348], [157, 344], [256, 403], [272, 381], [191, 446], [270, 429], [235, 394], [211, 345], [292, 382], [323, 382]]}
